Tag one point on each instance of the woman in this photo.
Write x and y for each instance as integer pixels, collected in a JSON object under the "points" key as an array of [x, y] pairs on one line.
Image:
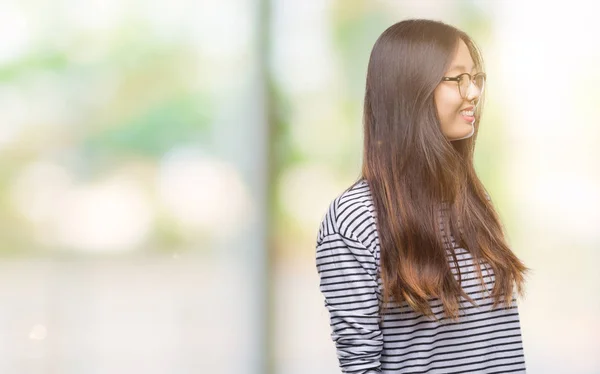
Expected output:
{"points": [[414, 267]]}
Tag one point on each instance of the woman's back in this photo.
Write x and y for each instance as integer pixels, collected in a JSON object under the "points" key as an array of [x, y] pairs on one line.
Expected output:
{"points": [[484, 340]]}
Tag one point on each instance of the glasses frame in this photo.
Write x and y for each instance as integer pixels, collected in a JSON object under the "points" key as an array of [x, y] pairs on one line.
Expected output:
{"points": [[471, 80]]}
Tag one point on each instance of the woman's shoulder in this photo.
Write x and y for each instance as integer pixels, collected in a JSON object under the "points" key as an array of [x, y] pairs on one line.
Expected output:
{"points": [[349, 211]]}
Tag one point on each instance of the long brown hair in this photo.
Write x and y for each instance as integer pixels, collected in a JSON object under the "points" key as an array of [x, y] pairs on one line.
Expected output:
{"points": [[413, 170]]}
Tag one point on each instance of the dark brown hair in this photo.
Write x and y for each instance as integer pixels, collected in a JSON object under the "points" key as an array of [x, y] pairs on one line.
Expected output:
{"points": [[413, 170]]}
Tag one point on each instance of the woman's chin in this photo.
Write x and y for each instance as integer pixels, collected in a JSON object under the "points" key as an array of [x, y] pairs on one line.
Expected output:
{"points": [[469, 130]]}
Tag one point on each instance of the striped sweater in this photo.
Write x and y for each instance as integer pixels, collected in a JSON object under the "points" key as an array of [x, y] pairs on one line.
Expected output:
{"points": [[484, 340]]}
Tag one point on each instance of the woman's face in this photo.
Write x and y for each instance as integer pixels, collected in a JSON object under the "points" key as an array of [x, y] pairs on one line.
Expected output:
{"points": [[449, 104]]}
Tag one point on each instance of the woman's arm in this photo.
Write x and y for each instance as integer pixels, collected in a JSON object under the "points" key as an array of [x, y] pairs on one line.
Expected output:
{"points": [[347, 272]]}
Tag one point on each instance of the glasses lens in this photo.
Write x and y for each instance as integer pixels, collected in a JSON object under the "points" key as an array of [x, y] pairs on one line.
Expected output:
{"points": [[479, 81], [464, 84]]}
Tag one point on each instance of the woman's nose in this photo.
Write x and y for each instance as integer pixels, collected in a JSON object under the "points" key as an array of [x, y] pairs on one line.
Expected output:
{"points": [[473, 92]]}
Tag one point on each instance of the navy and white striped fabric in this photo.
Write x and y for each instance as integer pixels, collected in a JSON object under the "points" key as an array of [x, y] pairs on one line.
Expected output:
{"points": [[485, 340]]}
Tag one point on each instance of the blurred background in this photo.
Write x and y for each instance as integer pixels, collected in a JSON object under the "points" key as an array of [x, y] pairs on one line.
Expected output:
{"points": [[164, 167]]}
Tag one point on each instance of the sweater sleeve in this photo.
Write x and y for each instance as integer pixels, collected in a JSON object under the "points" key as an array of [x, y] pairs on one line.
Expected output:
{"points": [[347, 274]]}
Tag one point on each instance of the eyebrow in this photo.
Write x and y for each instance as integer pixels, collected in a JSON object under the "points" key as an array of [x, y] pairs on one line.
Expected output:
{"points": [[461, 67]]}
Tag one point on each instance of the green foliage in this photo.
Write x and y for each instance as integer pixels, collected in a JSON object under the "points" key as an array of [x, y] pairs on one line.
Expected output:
{"points": [[154, 130]]}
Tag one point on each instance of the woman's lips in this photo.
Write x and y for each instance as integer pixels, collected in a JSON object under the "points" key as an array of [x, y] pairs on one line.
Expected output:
{"points": [[469, 119]]}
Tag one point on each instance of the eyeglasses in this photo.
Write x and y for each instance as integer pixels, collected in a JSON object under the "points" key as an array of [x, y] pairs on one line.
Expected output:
{"points": [[464, 82]]}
